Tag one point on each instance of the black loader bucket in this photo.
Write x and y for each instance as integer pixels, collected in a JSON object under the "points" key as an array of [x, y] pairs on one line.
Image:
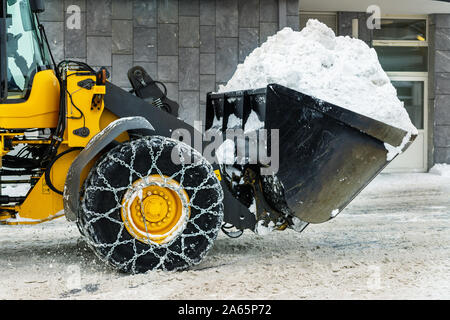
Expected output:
{"points": [[327, 154]]}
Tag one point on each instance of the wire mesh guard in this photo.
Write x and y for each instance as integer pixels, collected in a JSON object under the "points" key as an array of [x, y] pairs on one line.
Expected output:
{"points": [[128, 173]]}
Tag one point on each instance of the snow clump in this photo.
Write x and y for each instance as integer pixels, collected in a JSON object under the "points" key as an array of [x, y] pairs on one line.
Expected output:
{"points": [[340, 70]]}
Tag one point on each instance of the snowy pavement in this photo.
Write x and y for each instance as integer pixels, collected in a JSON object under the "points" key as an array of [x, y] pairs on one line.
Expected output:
{"points": [[392, 242]]}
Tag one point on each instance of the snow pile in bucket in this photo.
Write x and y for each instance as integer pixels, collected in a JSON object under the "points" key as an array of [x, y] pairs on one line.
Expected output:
{"points": [[340, 70]]}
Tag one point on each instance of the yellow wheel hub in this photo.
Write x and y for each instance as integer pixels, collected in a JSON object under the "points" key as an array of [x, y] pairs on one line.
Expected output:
{"points": [[155, 209]]}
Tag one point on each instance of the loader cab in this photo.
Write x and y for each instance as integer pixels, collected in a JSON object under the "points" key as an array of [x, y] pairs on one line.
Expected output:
{"points": [[24, 52], [29, 88]]}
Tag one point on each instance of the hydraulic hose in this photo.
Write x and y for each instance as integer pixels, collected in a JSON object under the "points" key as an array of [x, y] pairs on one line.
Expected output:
{"points": [[49, 168]]}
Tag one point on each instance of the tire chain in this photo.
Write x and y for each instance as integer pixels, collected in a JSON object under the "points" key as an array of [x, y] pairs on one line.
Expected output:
{"points": [[214, 209]]}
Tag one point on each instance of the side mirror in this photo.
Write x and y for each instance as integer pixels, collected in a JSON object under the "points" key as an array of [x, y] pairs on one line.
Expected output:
{"points": [[37, 6]]}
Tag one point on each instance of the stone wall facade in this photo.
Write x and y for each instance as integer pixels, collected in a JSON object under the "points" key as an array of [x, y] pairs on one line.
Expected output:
{"points": [[345, 21], [439, 87], [190, 45]]}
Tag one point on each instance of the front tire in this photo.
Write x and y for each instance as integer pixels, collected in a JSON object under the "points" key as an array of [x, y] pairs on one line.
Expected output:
{"points": [[142, 211]]}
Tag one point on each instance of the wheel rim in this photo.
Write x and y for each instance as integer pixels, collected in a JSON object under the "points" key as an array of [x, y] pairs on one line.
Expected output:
{"points": [[155, 209]]}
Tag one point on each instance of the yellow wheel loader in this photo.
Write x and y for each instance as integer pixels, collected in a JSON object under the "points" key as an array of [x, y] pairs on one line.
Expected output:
{"points": [[142, 196]]}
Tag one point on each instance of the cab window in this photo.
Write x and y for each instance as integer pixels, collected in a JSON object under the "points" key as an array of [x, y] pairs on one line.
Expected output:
{"points": [[25, 50]]}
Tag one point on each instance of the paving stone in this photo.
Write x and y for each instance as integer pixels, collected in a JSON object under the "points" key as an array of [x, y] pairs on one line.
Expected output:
{"points": [[122, 9], [168, 11], [122, 37], [54, 11], [248, 13], [145, 13], [268, 10], [442, 61], [442, 20], [99, 51], [207, 84], [189, 30], [207, 39], [172, 91], [226, 58], [227, 18], [441, 155], [442, 136], [189, 69], [293, 22], [207, 63], [189, 106], [442, 110], [292, 7], [55, 35], [248, 41], [120, 65], [207, 12], [145, 48], [267, 29], [189, 8], [168, 68], [168, 39], [99, 14]]}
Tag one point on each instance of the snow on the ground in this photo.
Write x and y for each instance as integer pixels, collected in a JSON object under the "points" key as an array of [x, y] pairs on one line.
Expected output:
{"points": [[340, 70], [441, 169], [391, 242]]}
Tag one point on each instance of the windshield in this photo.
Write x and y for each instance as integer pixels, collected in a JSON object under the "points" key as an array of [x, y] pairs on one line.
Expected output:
{"points": [[25, 54]]}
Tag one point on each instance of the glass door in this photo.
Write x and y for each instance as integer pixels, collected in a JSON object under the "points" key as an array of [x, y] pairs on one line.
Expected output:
{"points": [[412, 91], [402, 48]]}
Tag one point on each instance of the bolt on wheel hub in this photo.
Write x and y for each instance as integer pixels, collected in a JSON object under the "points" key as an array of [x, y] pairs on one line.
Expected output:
{"points": [[155, 209]]}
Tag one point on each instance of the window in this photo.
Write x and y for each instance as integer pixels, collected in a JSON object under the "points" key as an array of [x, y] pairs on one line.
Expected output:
{"points": [[412, 95], [402, 58], [402, 29], [402, 48], [24, 49], [402, 45]]}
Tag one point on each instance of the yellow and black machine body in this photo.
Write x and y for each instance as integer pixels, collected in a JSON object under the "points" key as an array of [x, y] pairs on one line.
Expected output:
{"points": [[107, 159], [72, 144]]}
